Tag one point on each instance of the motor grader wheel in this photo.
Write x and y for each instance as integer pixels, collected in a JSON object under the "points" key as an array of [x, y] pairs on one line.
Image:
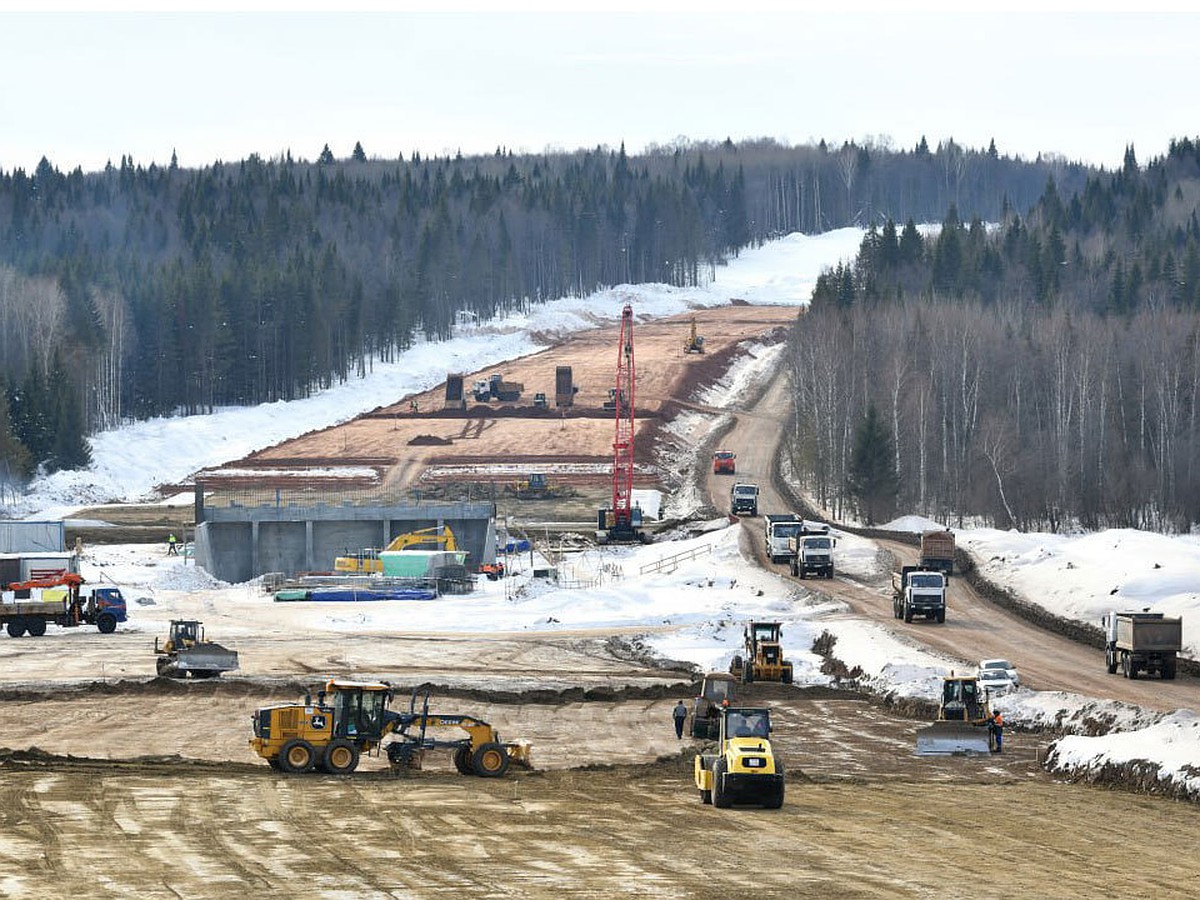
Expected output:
{"points": [[462, 761], [297, 756], [341, 757], [490, 760]]}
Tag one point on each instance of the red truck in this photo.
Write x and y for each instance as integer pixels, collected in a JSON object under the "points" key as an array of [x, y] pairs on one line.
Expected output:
{"points": [[724, 462]]}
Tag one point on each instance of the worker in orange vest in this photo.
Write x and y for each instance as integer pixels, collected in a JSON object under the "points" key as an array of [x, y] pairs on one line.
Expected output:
{"points": [[997, 729]]}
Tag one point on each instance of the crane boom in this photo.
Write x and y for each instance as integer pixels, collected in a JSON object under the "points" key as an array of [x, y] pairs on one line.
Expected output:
{"points": [[622, 521], [622, 474]]}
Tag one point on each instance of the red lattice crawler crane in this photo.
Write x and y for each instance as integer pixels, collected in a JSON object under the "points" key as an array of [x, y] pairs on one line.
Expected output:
{"points": [[621, 523]]}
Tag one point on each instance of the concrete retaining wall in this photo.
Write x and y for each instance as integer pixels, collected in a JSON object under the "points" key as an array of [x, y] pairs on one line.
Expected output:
{"points": [[237, 543]]}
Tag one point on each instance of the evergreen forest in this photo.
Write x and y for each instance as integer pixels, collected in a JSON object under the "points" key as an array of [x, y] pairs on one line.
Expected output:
{"points": [[145, 290], [1039, 373]]}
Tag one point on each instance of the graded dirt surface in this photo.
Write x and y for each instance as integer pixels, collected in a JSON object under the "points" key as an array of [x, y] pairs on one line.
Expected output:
{"points": [[573, 443], [118, 784]]}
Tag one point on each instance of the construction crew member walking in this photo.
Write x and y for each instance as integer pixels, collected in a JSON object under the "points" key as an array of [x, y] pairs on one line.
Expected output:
{"points": [[997, 726], [679, 714]]}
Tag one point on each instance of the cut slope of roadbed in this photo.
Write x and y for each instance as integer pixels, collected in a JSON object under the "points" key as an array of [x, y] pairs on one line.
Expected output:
{"points": [[1099, 742]]}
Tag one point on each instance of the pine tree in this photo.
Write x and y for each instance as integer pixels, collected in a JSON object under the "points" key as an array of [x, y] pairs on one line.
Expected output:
{"points": [[15, 461], [69, 448], [358, 155], [873, 482], [326, 157]]}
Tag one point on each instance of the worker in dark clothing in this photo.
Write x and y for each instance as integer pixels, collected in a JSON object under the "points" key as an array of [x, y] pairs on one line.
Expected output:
{"points": [[997, 726], [679, 714]]}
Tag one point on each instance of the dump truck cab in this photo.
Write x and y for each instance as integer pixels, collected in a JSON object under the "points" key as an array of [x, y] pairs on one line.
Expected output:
{"points": [[743, 768], [724, 462]]}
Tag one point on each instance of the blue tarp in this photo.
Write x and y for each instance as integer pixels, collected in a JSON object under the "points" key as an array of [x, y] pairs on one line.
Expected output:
{"points": [[342, 595]]}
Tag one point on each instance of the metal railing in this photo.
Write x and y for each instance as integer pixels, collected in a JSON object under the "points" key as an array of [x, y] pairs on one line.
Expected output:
{"points": [[672, 562]]}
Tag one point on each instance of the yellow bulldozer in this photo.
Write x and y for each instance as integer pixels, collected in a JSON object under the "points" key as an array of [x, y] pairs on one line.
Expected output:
{"points": [[744, 768], [350, 718], [764, 655], [368, 561], [964, 717]]}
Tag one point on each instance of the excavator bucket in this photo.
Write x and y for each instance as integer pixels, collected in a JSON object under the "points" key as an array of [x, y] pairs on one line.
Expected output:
{"points": [[952, 739]]}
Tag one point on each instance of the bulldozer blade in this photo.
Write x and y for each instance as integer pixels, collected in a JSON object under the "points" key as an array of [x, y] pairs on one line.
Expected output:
{"points": [[952, 738], [210, 659]]}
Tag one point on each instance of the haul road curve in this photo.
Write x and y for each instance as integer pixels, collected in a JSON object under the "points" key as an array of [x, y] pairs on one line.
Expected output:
{"points": [[974, 628]]}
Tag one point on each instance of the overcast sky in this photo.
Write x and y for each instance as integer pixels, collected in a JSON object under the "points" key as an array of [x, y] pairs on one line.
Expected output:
{"points": [[83, 88]]}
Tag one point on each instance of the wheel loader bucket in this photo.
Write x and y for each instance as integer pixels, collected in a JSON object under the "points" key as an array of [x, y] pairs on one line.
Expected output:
{"points": [[952, 738]]}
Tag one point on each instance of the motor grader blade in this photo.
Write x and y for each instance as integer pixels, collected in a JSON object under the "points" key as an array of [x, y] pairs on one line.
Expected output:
{"points": [[952, 739], [520, 752]]}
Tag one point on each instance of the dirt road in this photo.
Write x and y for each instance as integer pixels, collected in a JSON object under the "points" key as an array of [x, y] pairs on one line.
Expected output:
{"points": [[974, 628]]}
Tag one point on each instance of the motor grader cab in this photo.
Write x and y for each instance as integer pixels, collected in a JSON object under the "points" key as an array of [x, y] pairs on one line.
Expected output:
{"points": [[763, 659], [743, 767], [350, 718], [716, 691], [964, 714], [369, 562]]}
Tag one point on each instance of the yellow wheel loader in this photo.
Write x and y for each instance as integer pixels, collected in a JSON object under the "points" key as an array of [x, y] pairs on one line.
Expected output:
{"points": [[764, 655], [743, 769], [350, 718], [964, 717]]}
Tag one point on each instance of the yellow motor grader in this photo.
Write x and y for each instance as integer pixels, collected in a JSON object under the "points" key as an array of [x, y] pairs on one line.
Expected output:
{"points": [[350, 718]]}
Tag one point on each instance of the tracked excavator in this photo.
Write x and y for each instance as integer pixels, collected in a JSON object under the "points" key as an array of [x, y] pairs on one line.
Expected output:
{"points": [[368, 562], [350, 718]]}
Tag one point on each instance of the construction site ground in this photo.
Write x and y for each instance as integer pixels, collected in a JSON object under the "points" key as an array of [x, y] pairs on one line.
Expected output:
{"points": [[116, 783]]}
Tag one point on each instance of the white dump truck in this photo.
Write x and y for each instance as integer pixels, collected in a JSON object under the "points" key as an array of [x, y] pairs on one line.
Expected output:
{"points": [[778, 530], [918, 592], [812, 550]]}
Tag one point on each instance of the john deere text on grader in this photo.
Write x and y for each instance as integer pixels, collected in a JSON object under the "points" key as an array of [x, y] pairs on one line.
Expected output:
{"points": [[350, 718]]}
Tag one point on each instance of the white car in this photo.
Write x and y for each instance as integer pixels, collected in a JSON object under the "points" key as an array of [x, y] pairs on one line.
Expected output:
{"points": [[1001, 664], [995, 681]]}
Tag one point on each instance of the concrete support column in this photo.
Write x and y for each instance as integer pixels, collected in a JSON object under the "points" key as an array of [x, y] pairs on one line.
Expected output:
{"points": [[254, 567], [308, 547]]}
